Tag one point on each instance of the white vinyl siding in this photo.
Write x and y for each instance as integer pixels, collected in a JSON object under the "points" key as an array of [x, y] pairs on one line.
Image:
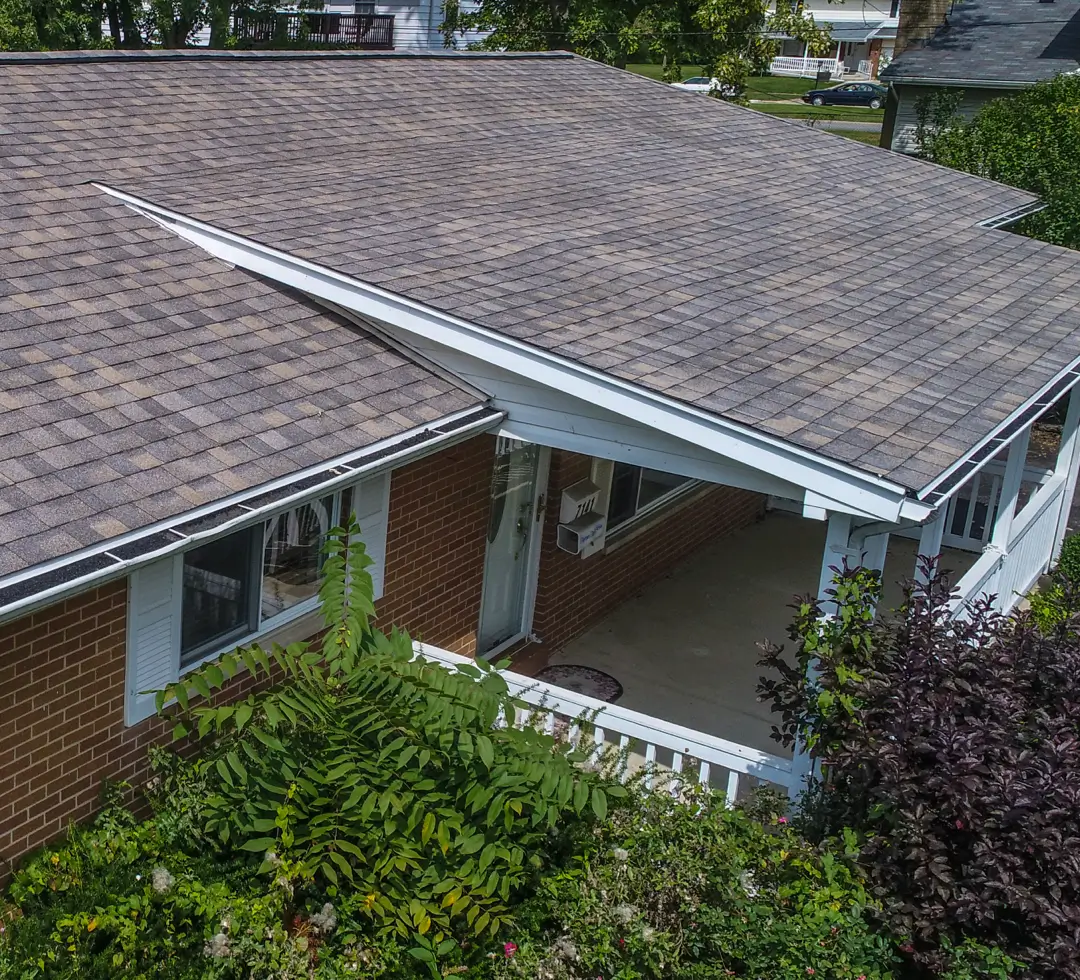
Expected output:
{"points": [[156, 602]]}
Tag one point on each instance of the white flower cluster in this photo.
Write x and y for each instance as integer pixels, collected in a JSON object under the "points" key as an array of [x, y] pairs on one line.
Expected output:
{"points": [[325, 921], [624, 913], [218, 947], [621, 854], [161, 880]]}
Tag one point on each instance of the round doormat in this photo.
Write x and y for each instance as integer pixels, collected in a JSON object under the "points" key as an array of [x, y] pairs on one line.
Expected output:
{"points": [[582, 680]]}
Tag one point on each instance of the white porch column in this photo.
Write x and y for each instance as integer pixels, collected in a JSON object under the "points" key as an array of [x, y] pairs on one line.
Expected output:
{"points": [[930, 539], [1068, 462], [1010, 491], [836, 549], [837, 537]]}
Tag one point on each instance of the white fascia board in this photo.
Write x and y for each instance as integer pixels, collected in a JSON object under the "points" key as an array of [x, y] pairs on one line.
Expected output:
{"points": [[851, 488]]}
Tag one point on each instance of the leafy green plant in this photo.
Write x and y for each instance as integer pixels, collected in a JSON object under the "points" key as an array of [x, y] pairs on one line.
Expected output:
{"points": [[687, 887], [1056, 603], [370, 774], [1030, 139]]}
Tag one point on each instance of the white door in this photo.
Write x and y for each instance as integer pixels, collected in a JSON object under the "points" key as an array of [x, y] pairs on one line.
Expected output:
{"points": [[509, 540]]}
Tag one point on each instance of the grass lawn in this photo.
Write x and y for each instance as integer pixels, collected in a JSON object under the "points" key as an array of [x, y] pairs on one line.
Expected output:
{"points": [[870, 139], [800, 111], [758, 87]]}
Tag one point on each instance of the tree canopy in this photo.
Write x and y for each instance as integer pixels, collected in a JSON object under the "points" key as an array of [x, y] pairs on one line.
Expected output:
{"points": [[1030, 140], [730, 39]]}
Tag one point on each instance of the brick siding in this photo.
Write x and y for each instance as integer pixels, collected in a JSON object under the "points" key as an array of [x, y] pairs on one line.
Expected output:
{"points": [[62, 729], [574, 593], [62, 698]]}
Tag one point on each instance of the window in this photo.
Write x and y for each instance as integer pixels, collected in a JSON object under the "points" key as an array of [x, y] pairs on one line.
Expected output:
{"points": [[633, 491], [292, 555], [364, 8], [216, 602], [189, 607]]}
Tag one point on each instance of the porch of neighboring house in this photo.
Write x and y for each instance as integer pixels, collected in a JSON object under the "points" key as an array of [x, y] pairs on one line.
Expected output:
{"points": [[684, 649]]}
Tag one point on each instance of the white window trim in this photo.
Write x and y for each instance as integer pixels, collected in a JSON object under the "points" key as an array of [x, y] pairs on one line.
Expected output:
{"points": [[603, 470], [137, 706]]}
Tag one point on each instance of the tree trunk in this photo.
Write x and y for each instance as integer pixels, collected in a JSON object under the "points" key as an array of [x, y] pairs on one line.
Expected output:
{"points": [[219, 11], [113, 15]]}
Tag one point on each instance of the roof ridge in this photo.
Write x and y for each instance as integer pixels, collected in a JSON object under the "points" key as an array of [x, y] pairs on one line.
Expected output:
{"points": [[215, 54]]}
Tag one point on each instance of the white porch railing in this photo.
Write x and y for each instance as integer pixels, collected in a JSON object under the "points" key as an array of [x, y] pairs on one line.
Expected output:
{"points": [[969, 521], [806, 67], [866, 68], [1013, 571], [651, 742]]}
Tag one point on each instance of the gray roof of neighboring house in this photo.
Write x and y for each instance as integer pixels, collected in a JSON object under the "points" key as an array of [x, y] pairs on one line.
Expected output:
{"points": [[140, 378], [835, 295], [1004, 41]]}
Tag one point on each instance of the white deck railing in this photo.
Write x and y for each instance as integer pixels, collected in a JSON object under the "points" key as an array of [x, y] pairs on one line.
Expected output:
{"points": [[970, 517], [866, 68], [806, 67], [657, 745], [1012, 572]]}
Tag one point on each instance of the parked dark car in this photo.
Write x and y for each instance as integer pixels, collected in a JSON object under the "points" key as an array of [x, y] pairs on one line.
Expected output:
{"points": [[850, 93]]}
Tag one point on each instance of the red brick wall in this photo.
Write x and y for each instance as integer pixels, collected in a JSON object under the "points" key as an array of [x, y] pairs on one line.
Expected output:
{"points": [[573, 593], [436, 541], [62, 669]]}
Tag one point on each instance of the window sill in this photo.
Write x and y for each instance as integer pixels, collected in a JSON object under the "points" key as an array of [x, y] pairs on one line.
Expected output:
{"points": [[645, 521]]}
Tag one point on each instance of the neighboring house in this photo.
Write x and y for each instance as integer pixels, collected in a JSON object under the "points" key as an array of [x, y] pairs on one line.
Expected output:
{"points": [[985, 48], [542, 355], [355, 24], [863, 31]]}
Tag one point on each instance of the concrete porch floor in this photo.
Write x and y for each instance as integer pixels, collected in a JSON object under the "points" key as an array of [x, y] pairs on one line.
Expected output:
{"points": [[684, 648]]}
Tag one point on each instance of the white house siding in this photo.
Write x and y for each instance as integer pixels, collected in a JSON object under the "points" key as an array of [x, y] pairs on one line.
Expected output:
{"points": [[907, 119]]}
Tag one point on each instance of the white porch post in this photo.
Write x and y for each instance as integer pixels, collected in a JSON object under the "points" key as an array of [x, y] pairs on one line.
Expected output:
{"points": [[930, 539], [1010, 491], [1068, 462], [836, 548], [837, 538]]}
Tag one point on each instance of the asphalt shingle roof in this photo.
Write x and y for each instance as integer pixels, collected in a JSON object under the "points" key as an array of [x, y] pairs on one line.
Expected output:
{"points": [[1005, 41], [838, 296], [140, 378]]}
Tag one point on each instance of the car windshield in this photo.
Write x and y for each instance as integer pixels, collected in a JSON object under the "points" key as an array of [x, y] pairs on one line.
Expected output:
{"points": [[696, 80]]}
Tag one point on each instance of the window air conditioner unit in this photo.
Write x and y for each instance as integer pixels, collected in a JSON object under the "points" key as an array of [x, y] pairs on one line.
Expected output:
{"points": [[581, 528]]}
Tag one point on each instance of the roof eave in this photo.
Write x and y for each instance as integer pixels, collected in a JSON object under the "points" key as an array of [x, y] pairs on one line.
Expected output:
{"points": [[118, 556]]}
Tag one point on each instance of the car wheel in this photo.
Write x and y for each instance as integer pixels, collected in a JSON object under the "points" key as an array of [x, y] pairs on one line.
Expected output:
{"points": [[875, 103], [817, 100]]}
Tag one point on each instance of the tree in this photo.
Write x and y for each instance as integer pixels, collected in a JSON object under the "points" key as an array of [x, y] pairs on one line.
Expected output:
{"points": [[730, 38], [1030, 140], [36, 25]]}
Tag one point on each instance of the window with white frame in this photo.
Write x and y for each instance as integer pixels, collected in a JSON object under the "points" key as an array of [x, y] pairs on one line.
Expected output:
{"points": [[628, 493], [193, 606]]}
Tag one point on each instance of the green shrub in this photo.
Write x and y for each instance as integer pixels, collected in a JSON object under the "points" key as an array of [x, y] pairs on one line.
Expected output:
{"points": [[379, 779], [1058, 600], [690, 888]]}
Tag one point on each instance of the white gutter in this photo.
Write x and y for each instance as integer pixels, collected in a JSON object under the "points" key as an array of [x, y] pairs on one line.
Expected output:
{"points": [[954, 82], [252, 515], [835, 480]]}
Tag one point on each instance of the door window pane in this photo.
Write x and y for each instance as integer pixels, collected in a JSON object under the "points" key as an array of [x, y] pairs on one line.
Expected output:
{"points": [[217, 594], [292, 555]]}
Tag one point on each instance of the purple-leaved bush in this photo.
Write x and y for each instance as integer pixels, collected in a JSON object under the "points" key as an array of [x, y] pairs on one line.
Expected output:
{"points": [[953, 747]]}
